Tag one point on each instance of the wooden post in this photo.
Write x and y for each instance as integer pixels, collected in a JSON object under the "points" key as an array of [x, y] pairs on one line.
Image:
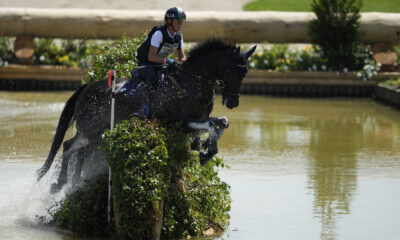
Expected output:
{"points": [[24, 49], [156, 229], [385, 55]]}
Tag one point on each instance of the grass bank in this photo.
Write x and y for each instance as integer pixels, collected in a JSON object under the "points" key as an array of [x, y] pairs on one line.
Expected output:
{"points": [[305, 5]]}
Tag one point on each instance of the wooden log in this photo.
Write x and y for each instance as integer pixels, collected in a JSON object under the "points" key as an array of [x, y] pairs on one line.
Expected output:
{"points": [[240, 27]]}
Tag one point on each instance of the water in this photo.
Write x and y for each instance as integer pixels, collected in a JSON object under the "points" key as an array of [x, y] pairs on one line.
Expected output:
{"points": [[300, 168]]}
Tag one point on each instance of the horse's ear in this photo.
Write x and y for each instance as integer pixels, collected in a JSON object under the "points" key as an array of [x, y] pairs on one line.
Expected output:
{"points": [[251, 51]]}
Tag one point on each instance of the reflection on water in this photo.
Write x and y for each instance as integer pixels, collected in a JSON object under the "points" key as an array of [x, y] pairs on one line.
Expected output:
{"points": [[300, 168], [335, 146], [333, 171], [332, 141]]}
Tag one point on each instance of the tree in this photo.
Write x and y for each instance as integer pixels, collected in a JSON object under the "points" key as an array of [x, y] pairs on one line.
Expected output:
{"points": [[335, 30]]}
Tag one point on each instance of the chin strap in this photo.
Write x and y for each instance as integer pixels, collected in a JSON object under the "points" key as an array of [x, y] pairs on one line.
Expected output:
{"points": [[170, 24]]}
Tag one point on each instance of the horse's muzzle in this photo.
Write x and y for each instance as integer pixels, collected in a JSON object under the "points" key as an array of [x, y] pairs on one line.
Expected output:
{"points": [[230, 102]]}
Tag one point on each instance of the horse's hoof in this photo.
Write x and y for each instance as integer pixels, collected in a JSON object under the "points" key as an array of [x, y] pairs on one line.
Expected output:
{"points": [[55, 188], [196, 144], [223, 122], [204, 160]]}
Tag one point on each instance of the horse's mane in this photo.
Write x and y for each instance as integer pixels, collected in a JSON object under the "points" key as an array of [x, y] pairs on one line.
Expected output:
{"points": [[208, 46]]}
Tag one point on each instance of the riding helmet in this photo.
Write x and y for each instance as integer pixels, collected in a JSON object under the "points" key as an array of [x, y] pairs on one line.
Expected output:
{"points": [[175, 12]]}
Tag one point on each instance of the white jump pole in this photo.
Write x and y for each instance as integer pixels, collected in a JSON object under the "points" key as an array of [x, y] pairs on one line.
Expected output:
{"points": [[113, 79]]}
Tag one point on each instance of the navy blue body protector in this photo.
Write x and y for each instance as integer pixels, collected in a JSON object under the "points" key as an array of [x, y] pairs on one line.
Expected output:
{"points": [[167, 46]]}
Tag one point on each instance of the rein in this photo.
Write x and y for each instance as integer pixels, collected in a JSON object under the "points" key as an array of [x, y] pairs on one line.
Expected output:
{"points": [[182, 93]]}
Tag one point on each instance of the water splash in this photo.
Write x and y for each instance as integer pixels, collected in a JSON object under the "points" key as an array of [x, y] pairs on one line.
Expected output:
{"points": [[24, 202]]}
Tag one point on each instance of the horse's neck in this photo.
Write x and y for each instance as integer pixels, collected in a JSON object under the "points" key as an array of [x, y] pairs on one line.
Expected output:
{"points": [[208, 68], [198, 79]]}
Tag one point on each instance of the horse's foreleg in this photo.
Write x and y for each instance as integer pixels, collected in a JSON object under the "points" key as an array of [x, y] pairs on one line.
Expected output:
{"points": [[215, 127], [196, 144], [221, 123], [212, 149]]}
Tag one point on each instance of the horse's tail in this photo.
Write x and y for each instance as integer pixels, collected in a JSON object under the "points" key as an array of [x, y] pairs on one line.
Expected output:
{"points": [[64, 122]]}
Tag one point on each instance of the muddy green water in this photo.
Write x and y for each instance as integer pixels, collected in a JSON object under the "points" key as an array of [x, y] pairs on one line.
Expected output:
{"points": [[300, 168]]}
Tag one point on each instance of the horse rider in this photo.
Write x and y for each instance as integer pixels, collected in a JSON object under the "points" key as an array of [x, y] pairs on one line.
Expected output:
{"points": [[160, 42]]}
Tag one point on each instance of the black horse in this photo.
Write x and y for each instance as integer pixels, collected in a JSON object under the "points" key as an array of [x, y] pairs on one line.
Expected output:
{"points": [[186, 95]]}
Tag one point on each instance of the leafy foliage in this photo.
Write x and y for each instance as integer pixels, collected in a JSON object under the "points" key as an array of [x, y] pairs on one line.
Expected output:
{"points": [[71, 53], [95, 56], [391, 82], [138, 158], [151, 161], [119, 55], [397, 50], [204, 205], [85, 211], [364, 62], [280, 58], [6, 54], [335, 30]]}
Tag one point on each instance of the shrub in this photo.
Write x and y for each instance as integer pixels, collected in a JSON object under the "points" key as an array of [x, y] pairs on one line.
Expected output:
{"points": [[364, 62], [85, 211], [335, 30], [148, 158], [119, 55]]}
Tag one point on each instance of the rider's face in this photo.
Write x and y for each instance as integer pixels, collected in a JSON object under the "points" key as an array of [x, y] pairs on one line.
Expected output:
{"points": [[177, 24]]}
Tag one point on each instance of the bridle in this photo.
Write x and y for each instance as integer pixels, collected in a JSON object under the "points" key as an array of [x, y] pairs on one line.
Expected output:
{"points": [[241, 69]]}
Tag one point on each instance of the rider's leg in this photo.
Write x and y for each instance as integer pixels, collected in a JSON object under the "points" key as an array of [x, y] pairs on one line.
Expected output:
{"points": [[148, 72]]}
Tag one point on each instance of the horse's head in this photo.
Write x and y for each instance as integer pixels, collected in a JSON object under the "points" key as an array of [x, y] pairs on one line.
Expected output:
{"points": [[236, 70], [216, 59]]}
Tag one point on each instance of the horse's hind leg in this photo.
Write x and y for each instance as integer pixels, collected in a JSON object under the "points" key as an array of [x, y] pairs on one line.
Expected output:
{"points": [[63, 175], [83, 154]]}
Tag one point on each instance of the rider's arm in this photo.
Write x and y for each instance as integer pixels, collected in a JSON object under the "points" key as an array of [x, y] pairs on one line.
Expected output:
{"points": [[155, 43], [181, 55], [154, 57]]}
